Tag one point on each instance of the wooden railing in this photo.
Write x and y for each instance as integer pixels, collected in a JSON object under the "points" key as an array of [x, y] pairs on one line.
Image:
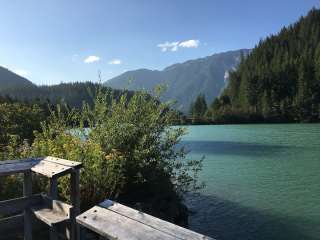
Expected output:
{"points": [[45, 208], [109, 219]]}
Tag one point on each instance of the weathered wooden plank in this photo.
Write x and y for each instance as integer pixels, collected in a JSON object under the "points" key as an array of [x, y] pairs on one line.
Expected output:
{"points": [[64, 162], [49, 216], [52, 211], [20, 160], [56, 205], [74, 232], [166, 227], [13, 168], [47, 166], [17, 205], [50, 169], [27, 192], [62, 208], [53, 234], [116, 226], [53, 194]]}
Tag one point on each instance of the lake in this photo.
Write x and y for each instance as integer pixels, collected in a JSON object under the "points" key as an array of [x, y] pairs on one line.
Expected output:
{"points": [[262, 181]]}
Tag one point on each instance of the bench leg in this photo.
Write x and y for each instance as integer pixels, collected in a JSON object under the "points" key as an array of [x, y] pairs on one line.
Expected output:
{"points": [[27, 191], [53, 234], [75, 201]]}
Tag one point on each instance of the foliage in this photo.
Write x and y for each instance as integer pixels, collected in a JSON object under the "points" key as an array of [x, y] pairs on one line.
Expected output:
{"points": [[130, 152], [199, 108], [72, 94], [279, 80], [18, 121]]}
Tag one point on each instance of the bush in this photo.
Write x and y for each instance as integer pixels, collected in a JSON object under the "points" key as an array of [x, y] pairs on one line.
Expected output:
{"points": [[128, 148]]}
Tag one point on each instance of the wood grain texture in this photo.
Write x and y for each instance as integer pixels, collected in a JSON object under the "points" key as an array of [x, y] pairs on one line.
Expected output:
{"points": [[74, 231], [115, 226], [20, 160], [50, 169], [27, 192], [156, 223], [64, 162], [14, 168], [49, 216]]}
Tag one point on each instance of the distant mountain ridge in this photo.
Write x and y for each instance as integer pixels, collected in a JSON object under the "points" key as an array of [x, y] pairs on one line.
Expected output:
{"points": [[10, 80], [15, 87], [184, 81]]}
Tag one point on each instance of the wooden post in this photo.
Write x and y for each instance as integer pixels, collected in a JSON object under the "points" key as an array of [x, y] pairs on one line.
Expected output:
{"points": [[27, 191], [83, 233], [53, 188], [53, 195], [75, 201], [53, 234]]}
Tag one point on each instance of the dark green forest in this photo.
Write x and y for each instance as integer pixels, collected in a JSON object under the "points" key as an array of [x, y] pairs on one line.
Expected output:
{"points": [[72, 94], [279, 81]]}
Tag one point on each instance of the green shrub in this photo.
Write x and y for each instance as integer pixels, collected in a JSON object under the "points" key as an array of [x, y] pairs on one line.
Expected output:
{"points": [[129, 150]]}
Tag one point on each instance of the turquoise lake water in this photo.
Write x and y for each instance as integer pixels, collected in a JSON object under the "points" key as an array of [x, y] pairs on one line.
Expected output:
{"points": [[262, 181]]}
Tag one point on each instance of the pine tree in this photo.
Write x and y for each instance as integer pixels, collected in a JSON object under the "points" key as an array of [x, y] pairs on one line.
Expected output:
{"points": [[280, 78], [199, 107]]}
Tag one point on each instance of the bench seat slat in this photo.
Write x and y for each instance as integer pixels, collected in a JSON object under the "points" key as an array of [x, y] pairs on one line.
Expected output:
{"points": [[52, 212], [21, 167], [50, 169], [161, 225], [65, 162], [115, 226]]}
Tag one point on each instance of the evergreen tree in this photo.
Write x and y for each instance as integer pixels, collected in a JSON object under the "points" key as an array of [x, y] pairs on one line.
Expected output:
{"points": [[199, 107], [280, 79]]}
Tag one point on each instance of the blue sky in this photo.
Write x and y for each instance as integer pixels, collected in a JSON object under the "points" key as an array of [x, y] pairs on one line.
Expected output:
{"points": [[53, 41]]}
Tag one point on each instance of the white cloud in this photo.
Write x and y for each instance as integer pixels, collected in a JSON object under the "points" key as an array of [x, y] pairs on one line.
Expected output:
{"points": [[92, 59], [21, 72], [189, 44], [115, 62], [174, 46]]}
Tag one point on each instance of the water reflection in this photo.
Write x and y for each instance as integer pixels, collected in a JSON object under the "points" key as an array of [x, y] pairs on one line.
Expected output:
{"points": [[234, 148], [226, 220]]}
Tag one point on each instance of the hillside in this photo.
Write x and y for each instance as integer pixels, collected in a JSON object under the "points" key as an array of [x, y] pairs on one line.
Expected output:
{"points": [[71, 93], [280, 80], [9, 79], [184, 81]]}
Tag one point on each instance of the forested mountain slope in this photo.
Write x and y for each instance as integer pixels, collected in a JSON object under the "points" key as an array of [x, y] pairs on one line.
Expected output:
{"points": [[72, 94], [280, 79], [9, 79], [184, 81]]}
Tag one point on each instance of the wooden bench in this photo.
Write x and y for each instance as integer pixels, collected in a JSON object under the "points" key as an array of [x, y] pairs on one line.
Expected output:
{"points": [[109, 219], [115, 221], [45, 208]]}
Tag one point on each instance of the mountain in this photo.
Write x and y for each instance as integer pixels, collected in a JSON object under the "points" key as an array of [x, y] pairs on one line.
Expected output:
{"points": [[71, 93], [184, 81], [15, 87], [9, 80], [280, 79]]}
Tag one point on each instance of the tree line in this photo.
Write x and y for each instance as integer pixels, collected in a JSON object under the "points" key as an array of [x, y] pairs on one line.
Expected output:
{"points": [[279, 81], [72, 94]]}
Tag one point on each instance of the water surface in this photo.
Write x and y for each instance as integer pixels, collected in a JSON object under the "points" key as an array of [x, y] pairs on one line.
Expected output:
{"points": [[263, 181]]}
